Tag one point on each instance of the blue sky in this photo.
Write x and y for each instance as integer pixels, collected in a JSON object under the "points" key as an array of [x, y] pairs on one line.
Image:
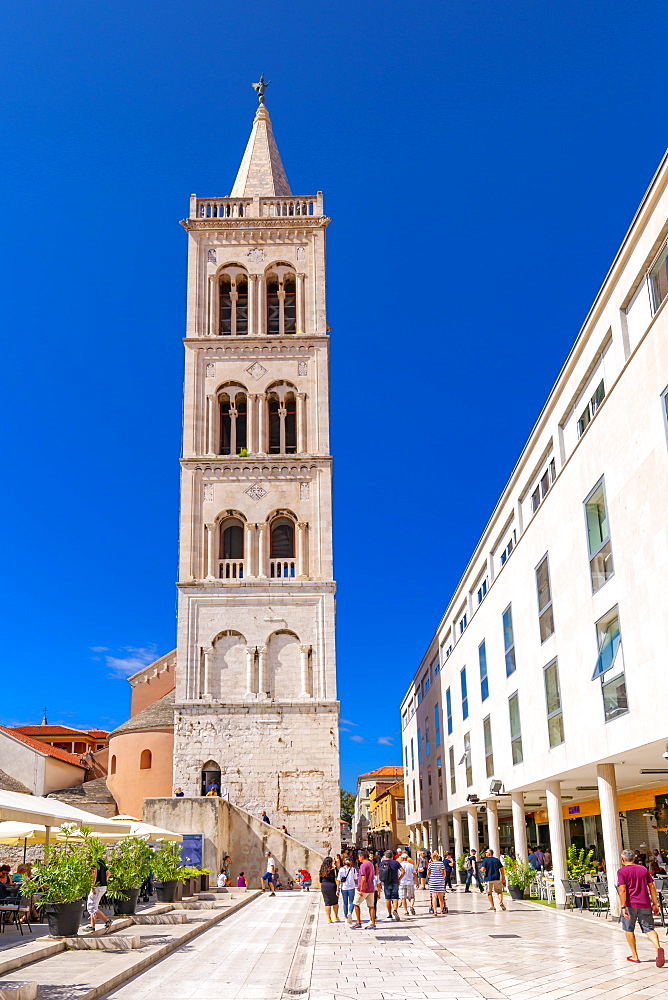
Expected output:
{"points": [[481, 162]]}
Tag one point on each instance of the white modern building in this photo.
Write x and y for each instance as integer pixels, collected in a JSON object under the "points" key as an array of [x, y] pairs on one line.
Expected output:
{"points": [[538, 710]]}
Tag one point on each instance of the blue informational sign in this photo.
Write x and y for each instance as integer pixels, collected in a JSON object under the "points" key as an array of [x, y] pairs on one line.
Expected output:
{"points": [[192, 848]]}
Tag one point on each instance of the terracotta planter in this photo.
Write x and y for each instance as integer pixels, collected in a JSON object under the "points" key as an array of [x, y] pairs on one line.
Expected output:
{"points": [[64, 918], [126, 906], [167, 891]]}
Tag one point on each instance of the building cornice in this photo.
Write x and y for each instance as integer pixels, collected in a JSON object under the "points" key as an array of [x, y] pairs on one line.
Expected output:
{"points": [[276, 589], [272, 467], [258, 230]]}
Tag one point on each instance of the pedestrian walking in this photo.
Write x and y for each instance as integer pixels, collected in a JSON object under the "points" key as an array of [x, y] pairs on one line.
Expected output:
{"points": [[637, 894], [494, 877], [264, 817], [98, 889], [365, 892], [329, 889], [407, 884], [269, 877], [390, 872], [347, 879], [471, 868], [436, 885], [422, 869], [449, 863]]}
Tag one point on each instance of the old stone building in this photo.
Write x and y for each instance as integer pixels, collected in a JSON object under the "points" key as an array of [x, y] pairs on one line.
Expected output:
{"points": [[256, 706]]}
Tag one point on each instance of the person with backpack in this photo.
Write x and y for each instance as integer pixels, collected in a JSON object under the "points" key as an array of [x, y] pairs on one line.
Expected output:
{"points": [[471, 868], [347, 879], [390, 872], [98, 889]]}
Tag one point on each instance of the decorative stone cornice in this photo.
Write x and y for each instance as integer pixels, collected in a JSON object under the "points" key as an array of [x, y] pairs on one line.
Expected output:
{"points": [[245, 469], [258, 231], [212, 349]]}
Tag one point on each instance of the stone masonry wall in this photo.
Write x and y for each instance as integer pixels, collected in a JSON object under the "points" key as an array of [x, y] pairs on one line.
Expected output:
{"points": [[281, 758]]}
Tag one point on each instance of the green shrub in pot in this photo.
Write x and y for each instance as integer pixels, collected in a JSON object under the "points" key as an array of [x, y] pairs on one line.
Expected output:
{"points": [[130, 862], [166, 861], [519, 876]]}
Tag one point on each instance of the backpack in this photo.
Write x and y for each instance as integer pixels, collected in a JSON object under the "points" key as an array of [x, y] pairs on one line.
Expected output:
{"points": [[385, 873], [468, 864]]}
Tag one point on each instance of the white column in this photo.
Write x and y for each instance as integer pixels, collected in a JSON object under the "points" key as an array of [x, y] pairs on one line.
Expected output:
{"points": [[212, 424], [301, 423], [300, 303], [261, 535], [519, 826], [262, 443], [208, 672], [261, 306], [612, 844], [303, 663], [457, 831], [557, 840], [302, 540], [252, 304], [249, 537], [493, 826], [213, 302], [251, 421], [211, 535], [263, 681], [472, 817], [250, 671]]}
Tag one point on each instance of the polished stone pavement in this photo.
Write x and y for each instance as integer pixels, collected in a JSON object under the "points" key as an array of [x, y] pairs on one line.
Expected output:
{"points": [[282, 947]]}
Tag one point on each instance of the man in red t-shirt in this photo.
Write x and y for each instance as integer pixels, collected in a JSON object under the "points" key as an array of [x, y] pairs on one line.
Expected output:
{"points": [[635, 886], [366, 888]]}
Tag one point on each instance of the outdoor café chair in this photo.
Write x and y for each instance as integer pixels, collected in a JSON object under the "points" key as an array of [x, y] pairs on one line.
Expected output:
{"points": [[584, 895], [661, 886], [12, 909], [599, 888], [570, 899]]}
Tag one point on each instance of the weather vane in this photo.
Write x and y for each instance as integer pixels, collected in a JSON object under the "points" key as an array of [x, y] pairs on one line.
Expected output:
{"points": [[260, 88]]}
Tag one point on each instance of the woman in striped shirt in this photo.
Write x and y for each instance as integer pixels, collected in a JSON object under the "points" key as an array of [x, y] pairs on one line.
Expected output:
{"points": [[436, 883]]}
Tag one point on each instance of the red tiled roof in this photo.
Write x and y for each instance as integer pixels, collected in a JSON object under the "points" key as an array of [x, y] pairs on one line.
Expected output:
{"points": [[389, 771], [69, 758], [59, 731]]}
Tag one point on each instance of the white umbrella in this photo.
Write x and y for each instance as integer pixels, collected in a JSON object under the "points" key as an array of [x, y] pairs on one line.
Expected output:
{"points": [[33, 809], [154, 832]]}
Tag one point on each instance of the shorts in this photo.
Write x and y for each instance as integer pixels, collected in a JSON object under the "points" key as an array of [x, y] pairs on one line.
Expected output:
{"points": [[364, 897], [94, 897], [268, 877], [494, 885], [644, 917], [406, 892], [391, 890]]}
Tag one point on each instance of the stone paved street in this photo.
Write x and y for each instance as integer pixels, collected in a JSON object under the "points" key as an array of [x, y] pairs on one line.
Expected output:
{"points": [[274, 949]]}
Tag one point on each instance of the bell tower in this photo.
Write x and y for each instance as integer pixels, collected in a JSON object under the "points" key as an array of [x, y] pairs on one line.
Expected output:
{"points": [[256, 702]]}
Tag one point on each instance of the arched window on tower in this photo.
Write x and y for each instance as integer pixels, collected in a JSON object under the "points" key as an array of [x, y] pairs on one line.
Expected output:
{"points": [[233, 422], [145, 760], [282, 548], [233, 302], [281, 300], [231, 560], [282, 407]]}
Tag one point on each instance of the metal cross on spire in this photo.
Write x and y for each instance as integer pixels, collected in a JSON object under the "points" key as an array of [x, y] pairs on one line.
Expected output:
{"points": [[260, 88]]}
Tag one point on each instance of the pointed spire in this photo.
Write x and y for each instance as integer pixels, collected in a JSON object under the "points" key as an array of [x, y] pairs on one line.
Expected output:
{"points": [[261, 171], [45, 721]]}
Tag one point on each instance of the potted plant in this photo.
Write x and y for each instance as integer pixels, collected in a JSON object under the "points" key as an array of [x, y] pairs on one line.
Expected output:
{"points": [[188, 875], [130, 863], [461, 871], [64, 879], [204, 879], [165, 866], [579, 864], [519, 876]]}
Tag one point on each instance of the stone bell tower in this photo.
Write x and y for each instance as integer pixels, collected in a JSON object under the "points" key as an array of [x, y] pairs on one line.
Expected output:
{"points": [[256, 702]]}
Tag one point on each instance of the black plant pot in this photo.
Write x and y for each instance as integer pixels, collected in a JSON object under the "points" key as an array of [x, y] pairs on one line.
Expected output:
{"points": [[203, 883], [64, 918], [516, 892], [188, 887], [462, 876], [167, 891], [126, 906]]}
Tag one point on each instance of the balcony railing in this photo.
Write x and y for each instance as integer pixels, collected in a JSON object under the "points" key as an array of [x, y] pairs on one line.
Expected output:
{"points": [[231, 569], [282, 569], [256, 207]]}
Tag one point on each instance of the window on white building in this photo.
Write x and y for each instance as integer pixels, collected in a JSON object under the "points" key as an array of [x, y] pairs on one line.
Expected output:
{"points": [[489, 754], [515, 728], [509, 640], [463, 622], [544, 483], [482, 591], [544, 590], [590, 409], [437, 725], [484, 681], [555, 718], [439, 773], [448, 710], [465, 698], [610, 665], [508, 548], [412, 755], [467, 760], [414, 798], [406, 757], [658, 277], [453, 775], [419, 743], [598, 538], [427, 741]]}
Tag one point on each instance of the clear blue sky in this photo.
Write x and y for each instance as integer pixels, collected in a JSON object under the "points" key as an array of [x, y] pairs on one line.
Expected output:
{"points": [[481, 162]]}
